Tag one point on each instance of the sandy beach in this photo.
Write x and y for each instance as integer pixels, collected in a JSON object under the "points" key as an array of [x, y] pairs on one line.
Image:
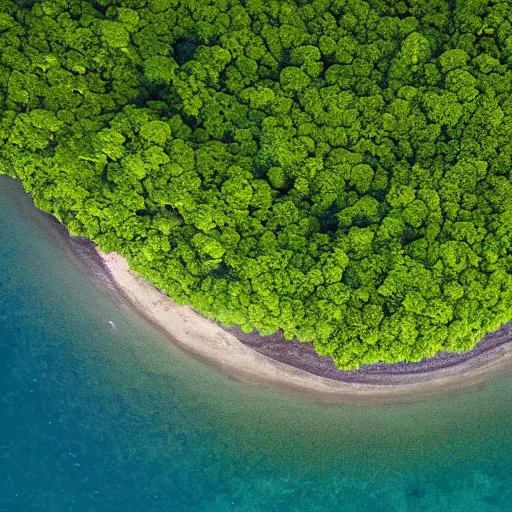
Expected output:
{"points": [[221, 347]]}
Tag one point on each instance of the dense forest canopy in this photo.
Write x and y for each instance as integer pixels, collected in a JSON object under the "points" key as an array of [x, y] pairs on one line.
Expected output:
{"points": [[337, 169]]}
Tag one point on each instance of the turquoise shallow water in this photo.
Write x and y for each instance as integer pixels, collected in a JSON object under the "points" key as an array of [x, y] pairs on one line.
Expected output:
{"points": [[96, 419]]}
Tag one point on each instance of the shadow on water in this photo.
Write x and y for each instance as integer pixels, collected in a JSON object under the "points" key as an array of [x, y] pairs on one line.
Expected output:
{"points": [[97, 419]]}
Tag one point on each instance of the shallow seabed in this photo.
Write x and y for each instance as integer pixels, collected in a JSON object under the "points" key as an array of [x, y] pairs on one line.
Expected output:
{"points": [[97, 418]]}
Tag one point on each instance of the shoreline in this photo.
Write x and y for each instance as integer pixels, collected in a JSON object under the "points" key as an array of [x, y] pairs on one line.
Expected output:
{"points": [[258, 359]]}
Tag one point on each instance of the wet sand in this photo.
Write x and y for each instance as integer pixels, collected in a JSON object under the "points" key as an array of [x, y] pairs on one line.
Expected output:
{"points": [[271, 360]]}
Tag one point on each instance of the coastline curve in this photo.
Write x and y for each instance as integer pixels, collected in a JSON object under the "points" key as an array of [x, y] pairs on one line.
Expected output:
{"points": [[259, 359]]}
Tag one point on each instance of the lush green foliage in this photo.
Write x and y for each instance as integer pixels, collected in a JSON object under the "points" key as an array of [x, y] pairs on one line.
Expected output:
{"points": [[338, 169]]}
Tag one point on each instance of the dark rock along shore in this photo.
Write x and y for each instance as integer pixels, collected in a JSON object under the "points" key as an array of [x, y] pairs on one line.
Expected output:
{"points": [[303, 356]]}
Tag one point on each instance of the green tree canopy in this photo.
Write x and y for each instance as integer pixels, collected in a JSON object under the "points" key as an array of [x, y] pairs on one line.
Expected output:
{"points": [[339, 170]]}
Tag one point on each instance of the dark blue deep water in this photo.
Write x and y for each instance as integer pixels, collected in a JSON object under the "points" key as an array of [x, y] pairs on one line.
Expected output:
{"points": [[96, 419]]}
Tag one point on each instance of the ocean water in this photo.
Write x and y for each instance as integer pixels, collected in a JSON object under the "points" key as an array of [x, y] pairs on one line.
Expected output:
{"points": [[94, 418]]}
